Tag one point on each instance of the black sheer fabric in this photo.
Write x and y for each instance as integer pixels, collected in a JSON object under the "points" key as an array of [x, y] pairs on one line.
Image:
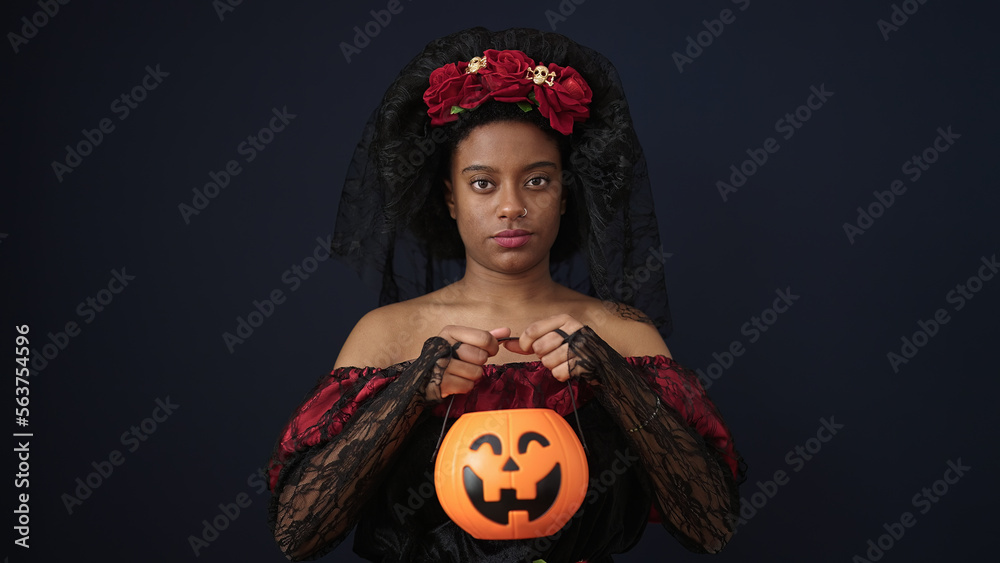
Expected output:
{"points": [[320, 494], [692, 481], [392, 222], [364, 459]]}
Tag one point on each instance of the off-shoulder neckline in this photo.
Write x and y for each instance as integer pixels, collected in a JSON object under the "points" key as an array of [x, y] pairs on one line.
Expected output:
{"points": [[534, 364], [538, 363]]}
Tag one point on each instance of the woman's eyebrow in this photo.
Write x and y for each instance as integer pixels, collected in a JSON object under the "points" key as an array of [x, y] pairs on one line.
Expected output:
{"points": [[487, 168], [541, 164], [478, 168]]}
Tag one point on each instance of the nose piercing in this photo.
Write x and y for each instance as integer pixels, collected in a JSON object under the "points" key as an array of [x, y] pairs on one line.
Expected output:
{"points": [[525, 213]]}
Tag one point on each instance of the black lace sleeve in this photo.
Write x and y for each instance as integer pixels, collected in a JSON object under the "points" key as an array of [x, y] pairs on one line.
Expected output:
{"points": [[685, 447], [337, 444]]}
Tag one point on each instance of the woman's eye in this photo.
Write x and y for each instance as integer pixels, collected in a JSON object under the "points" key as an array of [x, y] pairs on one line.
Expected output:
{"points": [[538, 181], [481, 184]]}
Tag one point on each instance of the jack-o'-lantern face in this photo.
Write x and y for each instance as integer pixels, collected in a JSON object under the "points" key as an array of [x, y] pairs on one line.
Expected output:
{"points": [[511, 474]]}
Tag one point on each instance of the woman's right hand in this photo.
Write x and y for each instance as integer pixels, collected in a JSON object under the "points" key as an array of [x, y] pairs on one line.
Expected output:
{"points": [[472, 347]]}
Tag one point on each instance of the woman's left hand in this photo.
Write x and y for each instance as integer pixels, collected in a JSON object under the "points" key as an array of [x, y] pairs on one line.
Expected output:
{"points": [[541, 339]]}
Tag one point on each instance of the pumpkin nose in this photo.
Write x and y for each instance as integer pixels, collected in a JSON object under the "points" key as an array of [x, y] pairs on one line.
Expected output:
{"points": [[511, 465]]}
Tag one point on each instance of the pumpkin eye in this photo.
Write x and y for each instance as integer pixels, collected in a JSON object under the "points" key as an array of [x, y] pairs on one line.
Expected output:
{"points": [[529, 437], [493, 440]]}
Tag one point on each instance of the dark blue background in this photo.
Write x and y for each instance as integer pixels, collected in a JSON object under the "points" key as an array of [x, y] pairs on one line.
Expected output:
{"points": [[825, 357]]}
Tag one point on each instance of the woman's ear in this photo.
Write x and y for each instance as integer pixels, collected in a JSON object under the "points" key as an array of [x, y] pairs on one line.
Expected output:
{"points": [[449, 197], [562, 200]]}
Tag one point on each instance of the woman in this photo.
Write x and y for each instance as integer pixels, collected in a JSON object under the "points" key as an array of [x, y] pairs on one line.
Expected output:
{"points": [[518, 174]]}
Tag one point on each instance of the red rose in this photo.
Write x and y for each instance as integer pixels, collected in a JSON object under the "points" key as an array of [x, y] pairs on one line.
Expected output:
{"points": [[508, 62], [566, 101], [451, 86], [505, 75]]}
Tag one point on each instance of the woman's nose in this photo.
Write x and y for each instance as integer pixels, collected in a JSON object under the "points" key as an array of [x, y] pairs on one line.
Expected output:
{"points": [[511, 204]]}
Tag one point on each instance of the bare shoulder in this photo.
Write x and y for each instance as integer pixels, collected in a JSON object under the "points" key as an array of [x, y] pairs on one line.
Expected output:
{"points": [[627, 329], [376, 340], [395, 333]]}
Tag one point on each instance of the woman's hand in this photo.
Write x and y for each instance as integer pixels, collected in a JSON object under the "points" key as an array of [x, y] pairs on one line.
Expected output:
{"points": [[542, 339], [472, 348]]}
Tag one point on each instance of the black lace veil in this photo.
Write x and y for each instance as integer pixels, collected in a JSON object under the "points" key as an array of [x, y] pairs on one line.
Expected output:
{"points": [[392, 226]]}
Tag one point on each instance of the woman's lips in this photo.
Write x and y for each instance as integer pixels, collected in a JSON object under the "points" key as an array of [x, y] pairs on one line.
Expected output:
{"points": [[512, 238]]}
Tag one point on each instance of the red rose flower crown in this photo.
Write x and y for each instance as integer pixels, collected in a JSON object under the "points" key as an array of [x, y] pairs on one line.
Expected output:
{"points": [[560, 93]]}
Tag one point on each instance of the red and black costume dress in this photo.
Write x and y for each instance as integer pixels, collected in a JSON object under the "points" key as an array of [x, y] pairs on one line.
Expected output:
{"points": [[357, 452]]}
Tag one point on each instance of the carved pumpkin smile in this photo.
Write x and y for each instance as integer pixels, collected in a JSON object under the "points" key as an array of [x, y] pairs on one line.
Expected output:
{"points": [[548, 490]]}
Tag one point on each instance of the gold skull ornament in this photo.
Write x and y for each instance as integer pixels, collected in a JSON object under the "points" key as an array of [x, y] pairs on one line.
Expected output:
{"points": [[475, 64], [541, 75]]}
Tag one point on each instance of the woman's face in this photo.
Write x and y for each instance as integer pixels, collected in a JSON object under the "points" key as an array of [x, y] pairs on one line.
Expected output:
{"points": [[505, 192]]}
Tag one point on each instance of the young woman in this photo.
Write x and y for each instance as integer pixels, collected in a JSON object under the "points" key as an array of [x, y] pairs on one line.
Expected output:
{"points": [[507, 160]]}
